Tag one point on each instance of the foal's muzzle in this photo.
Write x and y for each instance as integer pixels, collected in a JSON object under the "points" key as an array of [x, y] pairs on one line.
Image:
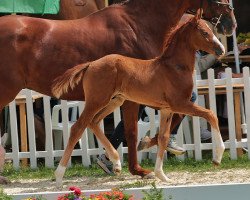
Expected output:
{"points": [[219, 52]]}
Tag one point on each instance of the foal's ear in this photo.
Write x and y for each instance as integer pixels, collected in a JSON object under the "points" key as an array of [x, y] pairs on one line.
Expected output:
{"points": [[199, 14]]}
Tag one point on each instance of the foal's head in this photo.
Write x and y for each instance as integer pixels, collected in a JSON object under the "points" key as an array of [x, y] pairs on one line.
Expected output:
{"points": [[202, 37]]}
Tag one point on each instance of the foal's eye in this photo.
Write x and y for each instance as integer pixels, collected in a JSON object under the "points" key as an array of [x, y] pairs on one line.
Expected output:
{"points": [[204, 34]]}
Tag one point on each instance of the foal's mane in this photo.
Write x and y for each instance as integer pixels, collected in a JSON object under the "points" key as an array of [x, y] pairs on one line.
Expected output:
{"points": [[175, 32]]}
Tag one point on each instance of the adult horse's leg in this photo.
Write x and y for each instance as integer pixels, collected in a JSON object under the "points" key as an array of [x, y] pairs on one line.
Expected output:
{"points": [[2, 155], [8, 93], [163, 139], [195, 110], [3, 180], [130, 118]]}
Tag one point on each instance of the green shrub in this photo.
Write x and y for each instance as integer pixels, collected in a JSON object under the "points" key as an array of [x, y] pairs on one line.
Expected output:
{"points": [[4, 196], [153, 194]]}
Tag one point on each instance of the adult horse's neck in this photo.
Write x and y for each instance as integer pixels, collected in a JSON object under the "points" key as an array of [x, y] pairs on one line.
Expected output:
{"points": [[157, 17], [179, 51]]}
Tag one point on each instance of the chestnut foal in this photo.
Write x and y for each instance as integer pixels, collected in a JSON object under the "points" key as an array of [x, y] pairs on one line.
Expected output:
{"points": [[33, 52], [164, 82]]}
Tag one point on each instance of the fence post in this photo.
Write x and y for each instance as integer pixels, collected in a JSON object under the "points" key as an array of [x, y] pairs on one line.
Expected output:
{"points": [[196, 128], [84, 142], [14, 135], [49, 159], [247, 104], [65, 122], [212, 103], [231, 117], [31, 128]]}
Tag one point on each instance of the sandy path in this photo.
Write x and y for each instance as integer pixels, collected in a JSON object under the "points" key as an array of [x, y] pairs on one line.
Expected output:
{"points": [[85, 183]]}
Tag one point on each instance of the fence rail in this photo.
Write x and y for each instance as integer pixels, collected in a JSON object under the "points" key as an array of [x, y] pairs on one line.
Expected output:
{"points": [[187, 138]]}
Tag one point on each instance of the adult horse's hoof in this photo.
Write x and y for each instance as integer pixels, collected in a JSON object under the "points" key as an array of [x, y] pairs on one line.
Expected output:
{"points": [[144, 143], [150, 175], [4, 181]]}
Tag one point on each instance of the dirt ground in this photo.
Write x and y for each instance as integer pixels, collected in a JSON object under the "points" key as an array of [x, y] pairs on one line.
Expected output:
{"points": [[86, 183]]}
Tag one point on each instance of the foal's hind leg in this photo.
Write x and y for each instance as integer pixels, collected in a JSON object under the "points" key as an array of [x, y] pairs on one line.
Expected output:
{"points": [[163, 139], [94, 125], [195, 110], [76, 132]]}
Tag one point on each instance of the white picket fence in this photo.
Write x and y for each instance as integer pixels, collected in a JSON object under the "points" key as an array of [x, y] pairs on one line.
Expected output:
{"points": [[193, 145]]}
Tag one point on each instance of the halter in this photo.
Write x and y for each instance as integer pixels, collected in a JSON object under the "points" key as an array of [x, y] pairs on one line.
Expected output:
{"points": [[215, 20]]}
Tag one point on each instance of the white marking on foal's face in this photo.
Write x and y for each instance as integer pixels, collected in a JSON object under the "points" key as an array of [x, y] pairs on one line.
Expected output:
{"points": [[215, 39], [208, 27]]}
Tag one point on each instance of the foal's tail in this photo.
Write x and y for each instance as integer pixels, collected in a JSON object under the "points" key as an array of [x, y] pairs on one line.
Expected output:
{"points": [[69, 79]]}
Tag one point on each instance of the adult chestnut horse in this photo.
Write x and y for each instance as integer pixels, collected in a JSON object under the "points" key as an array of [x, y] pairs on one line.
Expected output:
{"points": [[69, 9], [33, 52], [110, 80]]}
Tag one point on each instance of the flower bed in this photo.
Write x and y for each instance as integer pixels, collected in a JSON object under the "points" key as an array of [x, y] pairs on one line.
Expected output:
{"points": [[114, 194], [76, 194], [195, 192]]}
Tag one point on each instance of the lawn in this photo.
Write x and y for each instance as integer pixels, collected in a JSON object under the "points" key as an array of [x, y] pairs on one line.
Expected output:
{"points": [[171, 165]]}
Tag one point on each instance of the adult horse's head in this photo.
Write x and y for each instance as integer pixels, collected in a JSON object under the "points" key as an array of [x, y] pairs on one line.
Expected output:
{"points": [[219, 13], [203, 37]]}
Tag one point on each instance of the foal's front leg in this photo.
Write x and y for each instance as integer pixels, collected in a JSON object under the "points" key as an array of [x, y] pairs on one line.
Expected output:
{"points": [[163, 139], [195, 110]]}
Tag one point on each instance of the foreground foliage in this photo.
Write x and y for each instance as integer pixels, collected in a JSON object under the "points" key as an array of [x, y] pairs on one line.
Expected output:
{"points": [[4, 196], [115, 194]]}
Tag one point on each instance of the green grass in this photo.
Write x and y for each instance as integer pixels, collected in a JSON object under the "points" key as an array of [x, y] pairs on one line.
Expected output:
{"points": [[171, 165]]}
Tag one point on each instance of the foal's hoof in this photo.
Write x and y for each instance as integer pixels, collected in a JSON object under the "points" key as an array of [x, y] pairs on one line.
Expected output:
{"points": [[117, 171], [144, 143], [117, 167], [59, 179], [151, 175], [59, 182], [163, 177]]}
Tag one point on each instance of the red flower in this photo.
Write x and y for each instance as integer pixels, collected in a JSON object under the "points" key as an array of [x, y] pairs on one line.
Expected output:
{"points": [[77, 191], [72, 188]]}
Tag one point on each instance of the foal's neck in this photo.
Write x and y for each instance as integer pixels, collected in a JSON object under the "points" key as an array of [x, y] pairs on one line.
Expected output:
{"points": [[179, 51]]}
